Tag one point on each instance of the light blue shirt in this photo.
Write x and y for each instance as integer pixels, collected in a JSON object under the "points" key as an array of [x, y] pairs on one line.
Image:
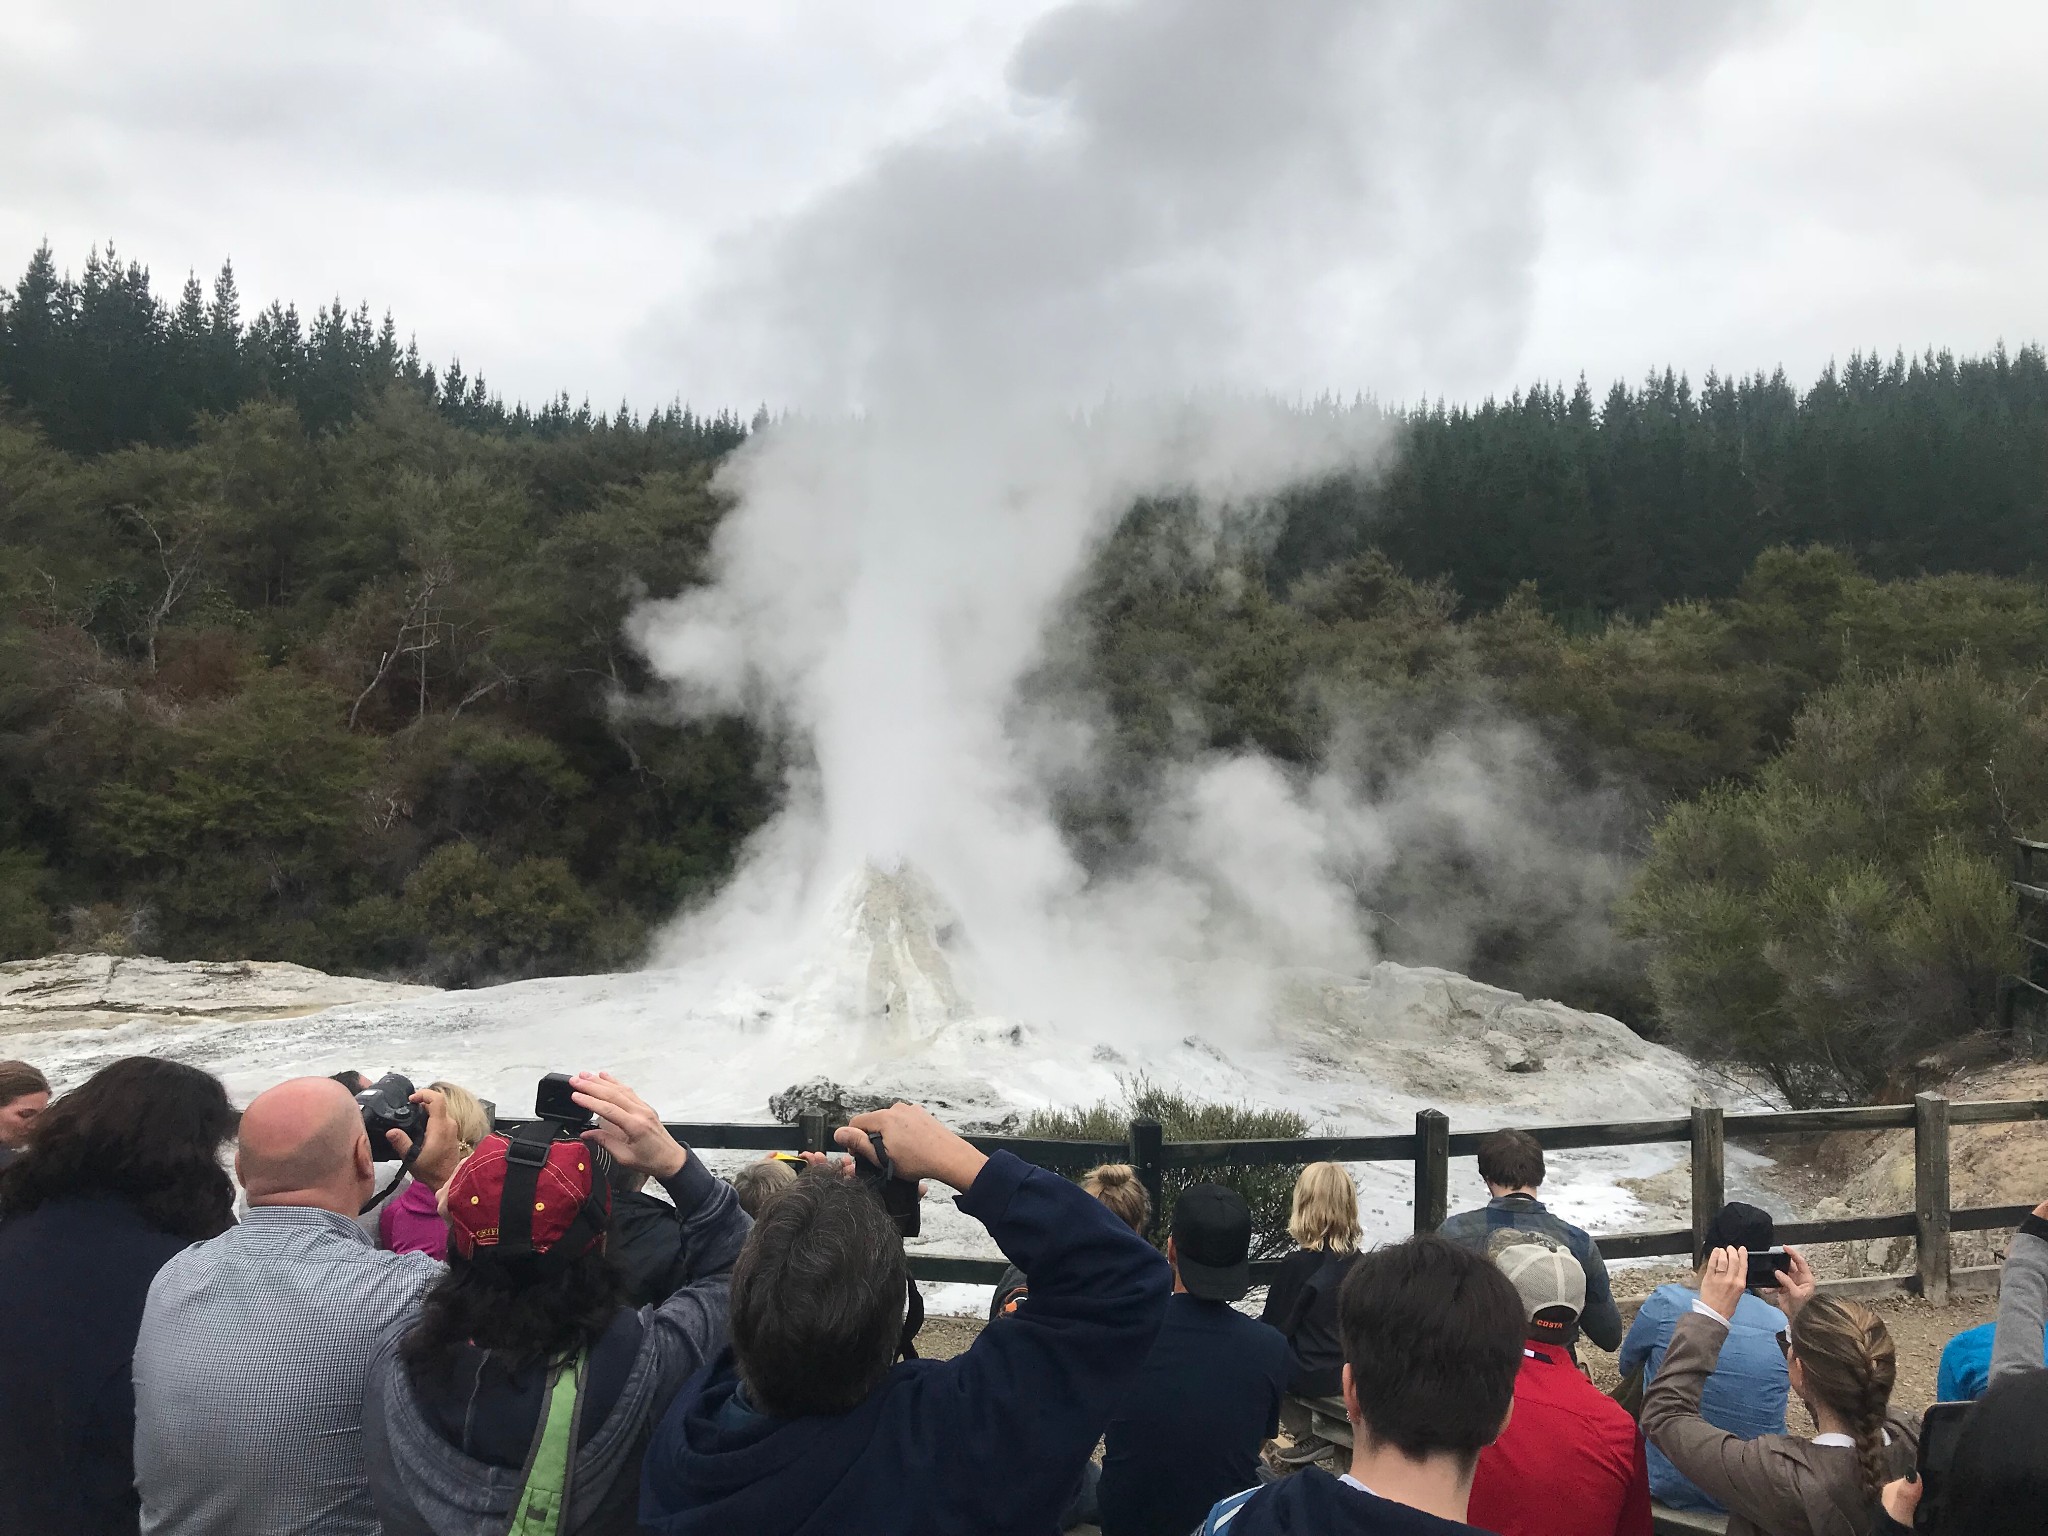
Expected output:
{"points": [[1746, 1394]]}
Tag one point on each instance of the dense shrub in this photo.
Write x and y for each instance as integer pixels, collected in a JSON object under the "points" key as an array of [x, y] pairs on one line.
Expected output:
{"points": [[1848, 912]]}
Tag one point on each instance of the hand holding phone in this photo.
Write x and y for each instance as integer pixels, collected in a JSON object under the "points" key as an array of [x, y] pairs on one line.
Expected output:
{"points": [[1765, 1265]]}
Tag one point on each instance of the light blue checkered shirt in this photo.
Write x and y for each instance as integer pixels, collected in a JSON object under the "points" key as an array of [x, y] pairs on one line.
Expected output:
{"points": [[249, 1376]]}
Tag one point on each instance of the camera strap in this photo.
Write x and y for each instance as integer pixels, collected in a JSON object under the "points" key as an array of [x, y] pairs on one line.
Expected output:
{"points": [[526, 1153], [404, 1167]]}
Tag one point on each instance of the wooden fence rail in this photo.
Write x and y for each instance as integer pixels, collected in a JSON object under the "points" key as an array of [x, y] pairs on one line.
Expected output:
{"points": [[1431, 1146]]}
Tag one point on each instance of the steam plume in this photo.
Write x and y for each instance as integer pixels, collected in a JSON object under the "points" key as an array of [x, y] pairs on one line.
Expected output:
{"points": [[1179, 199]]}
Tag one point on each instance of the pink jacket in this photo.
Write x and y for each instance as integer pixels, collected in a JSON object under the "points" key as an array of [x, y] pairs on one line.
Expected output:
{"points": [[411, 1223]]}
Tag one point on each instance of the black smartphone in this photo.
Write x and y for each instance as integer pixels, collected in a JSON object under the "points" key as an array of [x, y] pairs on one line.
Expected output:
{"points": [[898, 1195], [1765, 1265], [554, 1100], [1941, 1428]]}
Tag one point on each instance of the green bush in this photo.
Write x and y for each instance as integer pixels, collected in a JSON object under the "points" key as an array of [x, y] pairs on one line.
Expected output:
{"points": [[1831, 924], [24, 919], [483, 921], [1267, 1188]]}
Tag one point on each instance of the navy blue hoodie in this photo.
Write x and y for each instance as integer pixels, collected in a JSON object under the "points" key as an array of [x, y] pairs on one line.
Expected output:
{"points": [[990, 1442], [1313, 1503]]}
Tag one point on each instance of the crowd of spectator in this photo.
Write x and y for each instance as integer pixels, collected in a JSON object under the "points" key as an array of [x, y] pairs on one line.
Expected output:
{"points": [[517, 1335]]}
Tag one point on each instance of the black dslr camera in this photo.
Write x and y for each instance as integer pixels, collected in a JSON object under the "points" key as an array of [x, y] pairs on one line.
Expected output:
{"points": [[898, 1195], [555, 1102], [387, 1105]]}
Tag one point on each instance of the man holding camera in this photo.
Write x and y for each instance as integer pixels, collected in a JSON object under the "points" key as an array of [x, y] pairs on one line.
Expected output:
{"points": [[250, 1365], [811, 1424]]}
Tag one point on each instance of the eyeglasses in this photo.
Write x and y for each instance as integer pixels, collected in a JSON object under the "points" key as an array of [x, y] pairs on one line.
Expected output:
{"points": [[1784, 1343]]}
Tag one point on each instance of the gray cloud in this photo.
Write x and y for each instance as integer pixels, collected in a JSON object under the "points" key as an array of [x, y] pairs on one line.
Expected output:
{"points": [[1547, 189], [1188, 192]]}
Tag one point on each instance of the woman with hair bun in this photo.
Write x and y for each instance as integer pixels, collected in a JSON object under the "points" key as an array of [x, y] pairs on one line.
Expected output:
{"points": [[119, 1175], [1842, 1364], [1117, 1186]]}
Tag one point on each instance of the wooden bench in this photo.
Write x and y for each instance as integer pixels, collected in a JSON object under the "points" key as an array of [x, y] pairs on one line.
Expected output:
{"points": [[1686, 1522]]}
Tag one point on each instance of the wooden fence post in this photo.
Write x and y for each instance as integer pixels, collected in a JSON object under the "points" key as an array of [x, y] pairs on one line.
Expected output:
{"points": [[1930, 1196], [1147, 1137], [1709, 1172], [1432, 1169], [817, 1134]]}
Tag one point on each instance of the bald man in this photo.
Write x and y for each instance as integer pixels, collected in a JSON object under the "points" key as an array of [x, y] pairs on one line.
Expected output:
{"points": [[255, 1345]]}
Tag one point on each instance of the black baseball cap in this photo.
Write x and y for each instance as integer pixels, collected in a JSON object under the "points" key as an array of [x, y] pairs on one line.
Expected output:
{"points": [[1737, 1225], [1212, 1242]]}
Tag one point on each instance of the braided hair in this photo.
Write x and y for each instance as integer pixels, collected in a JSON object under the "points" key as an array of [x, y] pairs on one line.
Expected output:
{"points": [[1850, 1364]]}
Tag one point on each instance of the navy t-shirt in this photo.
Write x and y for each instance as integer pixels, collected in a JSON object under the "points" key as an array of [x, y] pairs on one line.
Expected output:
{"points": [[1191, 1422]]}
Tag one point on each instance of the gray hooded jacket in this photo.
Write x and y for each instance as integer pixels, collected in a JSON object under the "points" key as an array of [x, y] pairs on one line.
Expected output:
{"points": [[2022, 1301], [424, 1486]]}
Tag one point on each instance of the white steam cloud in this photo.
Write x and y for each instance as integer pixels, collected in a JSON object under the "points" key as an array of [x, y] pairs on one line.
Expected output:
{"points": [[948, 325]]}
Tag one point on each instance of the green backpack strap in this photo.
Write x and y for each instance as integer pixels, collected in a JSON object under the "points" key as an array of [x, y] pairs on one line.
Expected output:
{"points": [[543, 1502]]}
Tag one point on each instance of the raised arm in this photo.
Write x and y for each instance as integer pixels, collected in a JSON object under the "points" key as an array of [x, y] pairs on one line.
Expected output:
{"points": [[1025, 1405], [1752, 1478], [690, 1327], [1725, 1467], [2022, 1298]]}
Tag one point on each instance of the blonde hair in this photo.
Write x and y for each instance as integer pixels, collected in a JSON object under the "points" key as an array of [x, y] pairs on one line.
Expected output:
{"points": [[758, 1183], [1325, 1214], [1849, 1362], [1116, 1186], [472, 1124]]}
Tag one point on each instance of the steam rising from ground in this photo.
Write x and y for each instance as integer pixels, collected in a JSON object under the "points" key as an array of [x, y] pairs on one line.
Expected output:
{"points": [[1178, 197]]}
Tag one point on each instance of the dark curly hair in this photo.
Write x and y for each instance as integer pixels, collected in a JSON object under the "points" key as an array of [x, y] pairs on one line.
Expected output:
{"points": [[530, 1312], [142, 1130]]}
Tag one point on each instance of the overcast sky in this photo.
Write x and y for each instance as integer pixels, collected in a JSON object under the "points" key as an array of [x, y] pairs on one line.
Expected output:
{"points": [[795, 198]]}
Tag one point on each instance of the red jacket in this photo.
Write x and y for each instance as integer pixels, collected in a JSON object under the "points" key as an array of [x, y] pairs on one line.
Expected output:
{"points": [[1570, 1463]]}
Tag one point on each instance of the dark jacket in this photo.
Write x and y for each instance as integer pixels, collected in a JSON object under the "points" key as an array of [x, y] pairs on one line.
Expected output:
{"points": [[74, 1274], [1010, 1289], [1302, 1304], [437, 1472], [990, 1442], [1601, 1321], [1285, 1288], [646, 1242], [1313, 1503], [1188, 1428]]}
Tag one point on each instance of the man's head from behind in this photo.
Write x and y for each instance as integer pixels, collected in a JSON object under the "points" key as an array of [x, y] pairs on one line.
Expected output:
{"points": [[1510, 1160], [758, 1183], [1737, 1225], [818, 1297], [1211, 1242], [1432, 1337], [302, 1143], [1551, 1283]]}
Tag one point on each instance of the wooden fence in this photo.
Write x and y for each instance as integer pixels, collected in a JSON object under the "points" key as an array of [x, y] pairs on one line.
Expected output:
{"points": [[1431, 1146], [2023, 998]]}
